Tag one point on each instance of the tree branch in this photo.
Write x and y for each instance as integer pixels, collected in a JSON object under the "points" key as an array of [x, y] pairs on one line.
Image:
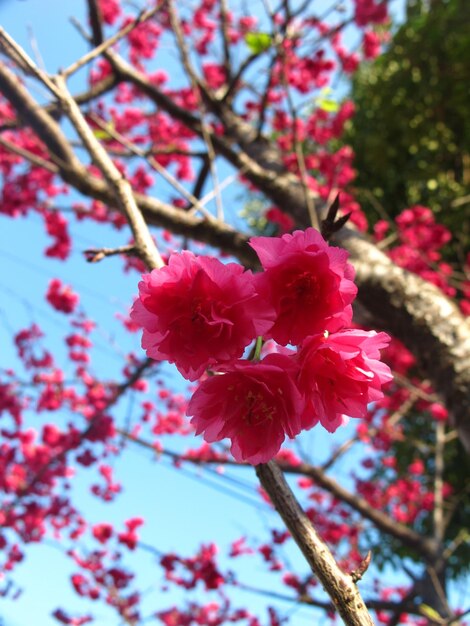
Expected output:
{"points": [[426, 547], [339, 586], [120, 187]]}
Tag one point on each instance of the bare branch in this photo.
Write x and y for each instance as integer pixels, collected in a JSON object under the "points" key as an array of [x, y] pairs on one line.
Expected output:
{"points": [[402, 606], [202, 95], [95, 17], [438, 512], [16, 53], [339, 586], [98, 89], [426, 547], [154, 164], [119, 185], [34, 159], [38, 119], [225, 38], [94, 255]]}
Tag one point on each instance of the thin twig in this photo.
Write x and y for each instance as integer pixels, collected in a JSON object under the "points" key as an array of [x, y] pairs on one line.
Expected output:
{"points": [[235, 79], [298, 149], [89, 56], [200, 93], [225, 39], [438, 512], [225, 183], [35, 48], [94, 255], [424, 546], [34, 159], [60, 456], [154, 164], [95, 19]]}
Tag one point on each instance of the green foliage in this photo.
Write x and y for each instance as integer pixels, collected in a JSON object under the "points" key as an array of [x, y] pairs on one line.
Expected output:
{"points": [[258, 42], [253, 213], [325, 103], [411, 133]]}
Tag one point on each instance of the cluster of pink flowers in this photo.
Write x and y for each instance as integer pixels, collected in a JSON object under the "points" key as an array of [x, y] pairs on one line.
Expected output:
{"points": [[61, 296], [202, 315]]}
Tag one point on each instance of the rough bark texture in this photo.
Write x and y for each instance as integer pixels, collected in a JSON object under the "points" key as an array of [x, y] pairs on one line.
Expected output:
{"points": [[339, 586], [428, 323]]}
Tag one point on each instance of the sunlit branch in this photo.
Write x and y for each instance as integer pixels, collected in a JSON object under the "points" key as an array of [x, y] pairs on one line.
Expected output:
{"points": [[25, 63], [339, 586], [120, 186], [438, 512], [94, 255]]}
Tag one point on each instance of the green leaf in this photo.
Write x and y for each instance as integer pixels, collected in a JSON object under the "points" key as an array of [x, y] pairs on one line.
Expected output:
{"points": [[330, 106], [258, 42], [102, 133], [429, 612]]}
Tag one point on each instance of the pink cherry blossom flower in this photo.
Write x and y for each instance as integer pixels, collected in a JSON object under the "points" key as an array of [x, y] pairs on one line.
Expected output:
{"points": [[255, 404], [197, 312], [309, 283], [340, 375]]}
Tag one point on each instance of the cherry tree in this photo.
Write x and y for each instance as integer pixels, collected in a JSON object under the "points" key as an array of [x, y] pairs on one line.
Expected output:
{"points": [[206, 137]]}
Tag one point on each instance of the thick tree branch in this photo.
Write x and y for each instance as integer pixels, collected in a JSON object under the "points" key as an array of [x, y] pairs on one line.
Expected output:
{"points": [[426, 321]]}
